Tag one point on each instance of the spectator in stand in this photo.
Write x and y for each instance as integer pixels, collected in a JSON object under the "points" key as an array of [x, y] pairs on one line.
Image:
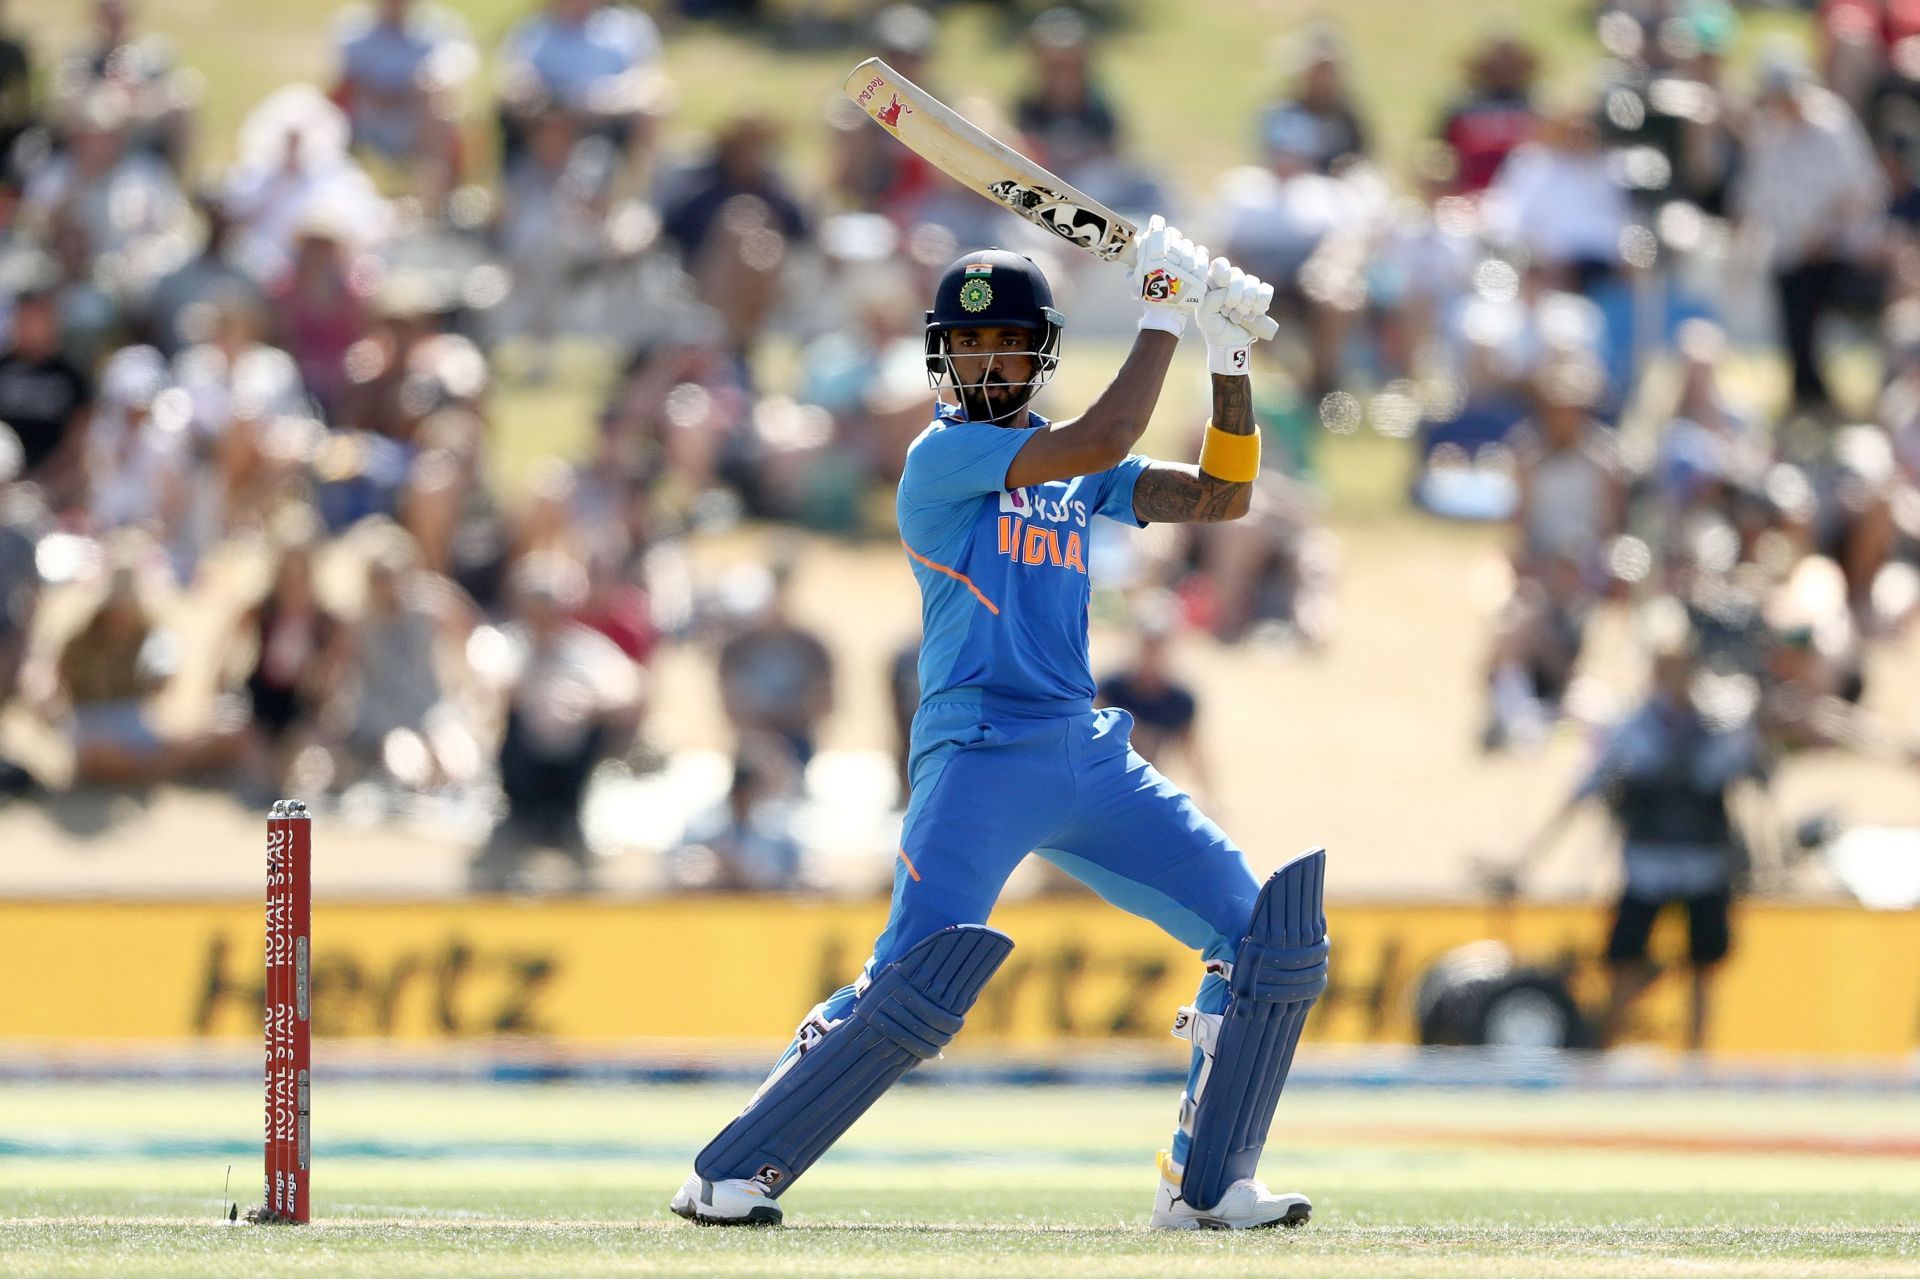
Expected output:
{"points": [[868, 169], [1321, 99], [573, 699], [1558, 196], [1812, 199], [1857, 39], [297, 664], [1899, 408], [1165, 711], [870, 373], [139, 459], [746, 843], [1423, 264], [618, 608], [551, 222], [545, 521], [684, 408], [400, 63], [91, 319], [1496, 113], [107, 676], [320, 309], [1537, 645], [448, 507], [733, 220], [399, 716], [1274, 220], [294, 167], [125, 200], [44, 397], [1065, 117], [24, 520], [17, 111], [1664, 106], [1706, 441], [139, 71], [1068, 120], [179, 308], [1571, 488], [1853, 521], [390, 378], [599, 62], [238, 387], [776, 676]]}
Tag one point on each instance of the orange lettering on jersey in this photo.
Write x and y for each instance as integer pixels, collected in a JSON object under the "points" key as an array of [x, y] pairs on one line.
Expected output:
{"points": [[1006, 532], [1035, 550], [1053, 546], [1073, 552]]}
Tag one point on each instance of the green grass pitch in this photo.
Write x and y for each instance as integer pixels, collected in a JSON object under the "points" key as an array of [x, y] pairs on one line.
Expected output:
{"points": [[125, 1180]]}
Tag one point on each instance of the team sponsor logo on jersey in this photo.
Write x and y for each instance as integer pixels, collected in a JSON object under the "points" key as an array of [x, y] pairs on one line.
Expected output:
{"points": [[1037, 544], [1036, 505]]}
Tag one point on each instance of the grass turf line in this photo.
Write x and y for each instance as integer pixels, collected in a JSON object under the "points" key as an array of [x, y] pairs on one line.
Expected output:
{"points": [[951, 1181]]}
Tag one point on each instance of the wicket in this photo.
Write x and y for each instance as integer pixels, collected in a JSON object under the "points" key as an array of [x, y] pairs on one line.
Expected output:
{"points": [[289, 1043]]}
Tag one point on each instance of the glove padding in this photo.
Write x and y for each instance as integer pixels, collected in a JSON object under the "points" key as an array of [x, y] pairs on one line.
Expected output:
{"points": [[1171, 273], [1233, 316]]}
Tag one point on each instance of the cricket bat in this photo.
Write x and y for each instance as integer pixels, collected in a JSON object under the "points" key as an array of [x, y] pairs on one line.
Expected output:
{"points": [[981, 162]]}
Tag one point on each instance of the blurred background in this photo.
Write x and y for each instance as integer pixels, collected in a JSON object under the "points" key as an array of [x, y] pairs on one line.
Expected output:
{"points": [[481, 419]]}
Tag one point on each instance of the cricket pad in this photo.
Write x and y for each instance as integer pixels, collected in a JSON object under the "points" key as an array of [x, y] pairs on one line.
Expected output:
{"points": [[1279, 969], [909, 1012]]}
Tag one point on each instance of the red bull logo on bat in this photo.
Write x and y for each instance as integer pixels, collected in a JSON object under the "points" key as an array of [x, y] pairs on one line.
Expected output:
{"points": [[890, 114]]}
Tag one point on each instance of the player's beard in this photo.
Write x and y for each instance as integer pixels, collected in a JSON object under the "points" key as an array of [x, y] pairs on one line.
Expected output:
{"points": [[999, 405]]}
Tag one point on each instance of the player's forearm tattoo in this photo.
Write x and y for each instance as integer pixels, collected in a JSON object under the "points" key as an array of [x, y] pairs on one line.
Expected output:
{"points": [[1177, 493], [1233, 404], [1171, 494]]}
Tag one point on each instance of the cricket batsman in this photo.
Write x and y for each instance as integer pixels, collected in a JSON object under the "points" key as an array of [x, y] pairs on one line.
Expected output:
{"points": [[1008, 755]]}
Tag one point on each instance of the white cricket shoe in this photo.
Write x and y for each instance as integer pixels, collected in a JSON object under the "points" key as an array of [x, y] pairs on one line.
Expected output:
{"points": [[735, 1202], [1247, 1205]]}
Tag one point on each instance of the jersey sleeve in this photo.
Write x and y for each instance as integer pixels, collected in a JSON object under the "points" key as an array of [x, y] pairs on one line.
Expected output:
{"points": [[958, 463], [1116, 490]]}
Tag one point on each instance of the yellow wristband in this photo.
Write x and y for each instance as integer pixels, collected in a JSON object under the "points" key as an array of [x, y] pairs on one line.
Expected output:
{"points": [[1235, 458]]}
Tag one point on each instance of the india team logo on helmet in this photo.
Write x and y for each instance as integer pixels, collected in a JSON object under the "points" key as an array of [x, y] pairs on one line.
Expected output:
{"points": [[975, 294]]}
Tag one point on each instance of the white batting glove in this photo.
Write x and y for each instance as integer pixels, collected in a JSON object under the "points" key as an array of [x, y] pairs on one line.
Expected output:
{"points": [[1171, 273], [1234, 303]]}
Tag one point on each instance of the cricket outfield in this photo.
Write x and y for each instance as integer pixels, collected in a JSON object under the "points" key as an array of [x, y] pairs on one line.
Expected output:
{"points": [[125, 1179]]}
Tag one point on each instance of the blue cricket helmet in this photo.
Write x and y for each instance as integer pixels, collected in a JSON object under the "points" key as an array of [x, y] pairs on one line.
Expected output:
{"points": [[994, 288]]}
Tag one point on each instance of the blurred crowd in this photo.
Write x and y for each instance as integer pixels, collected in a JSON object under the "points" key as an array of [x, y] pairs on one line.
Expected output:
{"points": [[282, 370]]}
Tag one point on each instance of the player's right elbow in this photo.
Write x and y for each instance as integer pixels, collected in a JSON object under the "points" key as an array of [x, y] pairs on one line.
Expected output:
{"points": [[1113, 444]]}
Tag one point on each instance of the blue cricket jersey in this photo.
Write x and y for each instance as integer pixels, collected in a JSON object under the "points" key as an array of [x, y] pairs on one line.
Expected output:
{"points": [[1002, 573]]}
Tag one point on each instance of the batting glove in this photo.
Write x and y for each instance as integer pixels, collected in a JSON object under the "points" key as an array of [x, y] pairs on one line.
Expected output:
{"points": [[1231, 313], [1171, 272]]}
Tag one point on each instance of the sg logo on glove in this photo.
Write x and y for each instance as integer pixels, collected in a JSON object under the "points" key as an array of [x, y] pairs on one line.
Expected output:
{"points": [[1159, 286]]}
